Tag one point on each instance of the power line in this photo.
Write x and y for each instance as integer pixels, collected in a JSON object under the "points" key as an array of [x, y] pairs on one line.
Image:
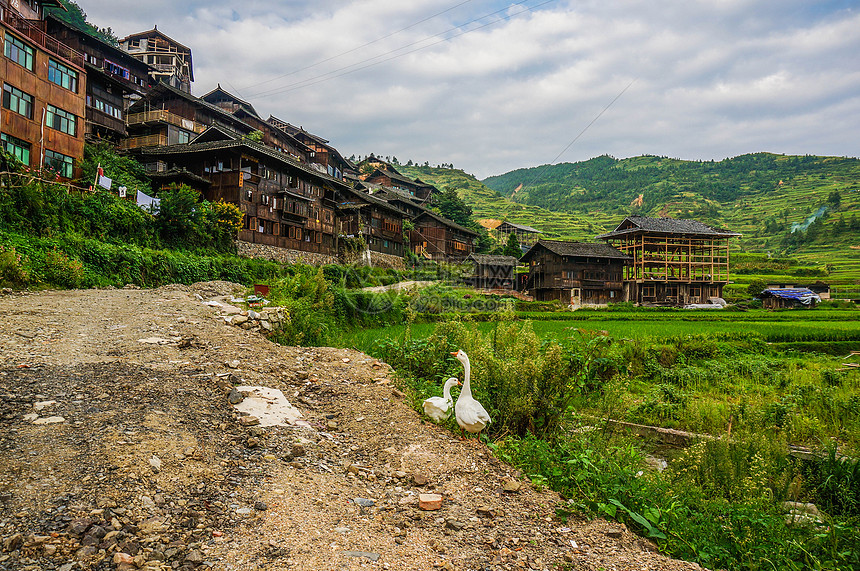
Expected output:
{"points": [[537, 176], [346, 69], [322, 61]]}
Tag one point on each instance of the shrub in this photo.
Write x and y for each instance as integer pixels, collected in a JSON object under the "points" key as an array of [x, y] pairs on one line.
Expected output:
{"points": [[61, 270], [12, 271]]}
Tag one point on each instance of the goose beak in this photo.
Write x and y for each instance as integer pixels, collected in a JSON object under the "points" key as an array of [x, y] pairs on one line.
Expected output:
{"points": [[455, 354]]}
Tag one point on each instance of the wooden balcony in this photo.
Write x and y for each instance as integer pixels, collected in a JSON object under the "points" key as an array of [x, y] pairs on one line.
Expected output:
{"points": [[163, 116], [32, 30], [144, 141]]}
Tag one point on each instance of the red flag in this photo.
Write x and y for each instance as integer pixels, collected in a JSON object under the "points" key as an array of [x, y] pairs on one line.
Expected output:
{"points": [[101, 172]]}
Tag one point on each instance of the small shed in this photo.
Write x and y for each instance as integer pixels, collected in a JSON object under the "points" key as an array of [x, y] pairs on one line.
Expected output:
{"points": [[492, 271], [779, 298]]}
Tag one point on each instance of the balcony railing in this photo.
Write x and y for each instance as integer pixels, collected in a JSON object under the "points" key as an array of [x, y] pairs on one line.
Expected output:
{"points": [[164, 116], [31, 30], [145, 141]]}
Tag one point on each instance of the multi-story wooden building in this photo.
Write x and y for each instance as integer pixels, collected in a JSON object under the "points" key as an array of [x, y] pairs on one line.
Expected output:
{"points": [[363, 215], [286, 203], [169, 116], [326, 157], [114, 80], [390, 178], [272, 136], [575, 273], [44, 86], [170, 61], [672, 261], [436, 238]]}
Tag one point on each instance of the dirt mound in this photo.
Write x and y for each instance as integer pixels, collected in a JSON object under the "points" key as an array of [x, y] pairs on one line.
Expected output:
{"points": [[120, 453]]}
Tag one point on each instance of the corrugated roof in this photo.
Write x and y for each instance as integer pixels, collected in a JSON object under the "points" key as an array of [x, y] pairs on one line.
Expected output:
{"points": [[665, 226], [520, 227], [578, 249]]}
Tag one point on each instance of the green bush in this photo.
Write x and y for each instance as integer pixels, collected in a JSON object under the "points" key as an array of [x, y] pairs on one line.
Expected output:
{"points": [[12, 271]]}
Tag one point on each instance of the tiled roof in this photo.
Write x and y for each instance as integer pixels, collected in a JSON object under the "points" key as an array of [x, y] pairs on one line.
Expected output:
{"points": [[579, 249], [446, 222], [488, 260], [141, 104], [520, 227], [240, 144], [666, 226]]}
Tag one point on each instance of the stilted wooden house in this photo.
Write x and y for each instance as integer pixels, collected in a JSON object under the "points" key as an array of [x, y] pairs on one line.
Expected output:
{"points": [[44, 91], [436, 238], [492, 272], [286, 203], [363, 215], [417, 189], [322, 154], [673, 262], [114, 80], [575, 273], [171, 61], [526, 235]]}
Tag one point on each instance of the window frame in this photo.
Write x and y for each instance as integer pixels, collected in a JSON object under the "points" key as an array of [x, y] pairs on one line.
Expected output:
{"points": [[9, 92], [56, 118], [20, 47], [20, 149], [58, 72], [64, 165]]}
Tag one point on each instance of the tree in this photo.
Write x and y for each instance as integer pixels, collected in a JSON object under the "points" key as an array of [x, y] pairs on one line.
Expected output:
{"points": [[835, 199], [756, 287], [181, 221], [451, 206], [512, 248]]}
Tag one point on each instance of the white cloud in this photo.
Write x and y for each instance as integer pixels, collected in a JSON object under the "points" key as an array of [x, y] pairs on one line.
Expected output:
{"points": [[713, 79]]}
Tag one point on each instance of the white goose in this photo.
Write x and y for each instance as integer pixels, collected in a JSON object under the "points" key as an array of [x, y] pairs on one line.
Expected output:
{"points": [[439, 408], [471, 415]]}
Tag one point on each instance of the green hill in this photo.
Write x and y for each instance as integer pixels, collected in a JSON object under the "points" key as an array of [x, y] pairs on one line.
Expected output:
{"points": [[771, 199]]}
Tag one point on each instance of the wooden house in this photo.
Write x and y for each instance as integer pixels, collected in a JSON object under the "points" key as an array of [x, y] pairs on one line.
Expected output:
{"points": [[575, 273], [286, 203], [170, 61], [322, 154], [789, 298], [114, 80], [273, 136], [437, 238], [169, 116], [492, 272], [44, 91], [417, 189], [673, 262], [363, 215], [526, 235]]}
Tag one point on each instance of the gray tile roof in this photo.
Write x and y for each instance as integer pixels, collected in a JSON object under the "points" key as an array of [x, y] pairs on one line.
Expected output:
{"points": [[488, 260], [578, 249], [666, 226]]}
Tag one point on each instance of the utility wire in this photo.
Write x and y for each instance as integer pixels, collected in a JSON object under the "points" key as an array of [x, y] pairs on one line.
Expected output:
{"points": [[537, 176], [355, 49], [346, 69]]}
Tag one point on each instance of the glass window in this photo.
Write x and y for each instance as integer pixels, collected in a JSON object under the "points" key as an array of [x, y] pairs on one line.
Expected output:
{"points": [[62, 75], [16, 100], [19, 52], [17, 148], [61, 120], [62, 164], [184, 137]]}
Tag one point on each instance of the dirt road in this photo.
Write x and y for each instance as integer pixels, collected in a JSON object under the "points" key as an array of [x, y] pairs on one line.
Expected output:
{"points": [[119, 450]]}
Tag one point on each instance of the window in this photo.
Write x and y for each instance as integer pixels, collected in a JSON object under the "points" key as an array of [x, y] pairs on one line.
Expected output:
{"points": [[62, 164], [115, 69], [16, 100], [104, 107], [17, 148], [19, 52], [62, 75], [61, 120], [184, 137]]}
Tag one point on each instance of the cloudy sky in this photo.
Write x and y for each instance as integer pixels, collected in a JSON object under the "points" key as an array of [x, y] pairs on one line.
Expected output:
{"points": [[491, 86]]}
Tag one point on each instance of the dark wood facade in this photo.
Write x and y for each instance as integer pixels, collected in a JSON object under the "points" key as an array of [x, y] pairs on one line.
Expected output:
{"points": [[673, 262], [437, 238], [114, 80], [286, 204], [379, 223], [170, 62], [420, 191], [321, 153], [44, 86], [169, 116], [575, 273], [492, 272]]}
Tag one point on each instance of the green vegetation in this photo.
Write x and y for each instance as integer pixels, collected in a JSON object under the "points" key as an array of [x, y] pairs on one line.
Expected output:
{"points": [[720, 502], [75, 16]]}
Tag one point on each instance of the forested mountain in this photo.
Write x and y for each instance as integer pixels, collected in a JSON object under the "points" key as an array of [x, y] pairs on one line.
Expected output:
{"points": [[803, 205]]}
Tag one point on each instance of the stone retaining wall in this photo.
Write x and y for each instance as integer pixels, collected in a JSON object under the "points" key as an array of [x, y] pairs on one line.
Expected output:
{"points": [[283, 255]]}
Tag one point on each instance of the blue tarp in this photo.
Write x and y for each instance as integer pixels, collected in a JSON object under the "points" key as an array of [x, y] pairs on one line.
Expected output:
{"points": [[803, 295]]}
